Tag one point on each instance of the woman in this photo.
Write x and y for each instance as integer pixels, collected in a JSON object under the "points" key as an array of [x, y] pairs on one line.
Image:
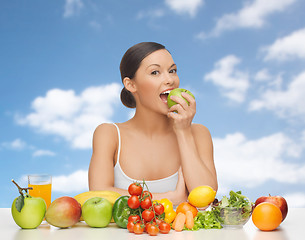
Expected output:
{"points": [[159, 145]]}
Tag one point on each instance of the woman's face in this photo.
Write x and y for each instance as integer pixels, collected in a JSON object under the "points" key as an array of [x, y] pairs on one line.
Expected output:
{"points": [[156, 76]]}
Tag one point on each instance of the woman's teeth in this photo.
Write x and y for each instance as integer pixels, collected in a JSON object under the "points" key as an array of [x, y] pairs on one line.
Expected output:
{"points": [[164, 95]]}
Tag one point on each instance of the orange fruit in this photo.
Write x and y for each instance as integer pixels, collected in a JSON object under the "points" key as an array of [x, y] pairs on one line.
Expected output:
{"points": [[267, 216], [185, 206]]}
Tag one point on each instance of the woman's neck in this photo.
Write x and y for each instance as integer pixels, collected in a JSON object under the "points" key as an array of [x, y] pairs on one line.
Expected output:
{"points": [[151, 122]]}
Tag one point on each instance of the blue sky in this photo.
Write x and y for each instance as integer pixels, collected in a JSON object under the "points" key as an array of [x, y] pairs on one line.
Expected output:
{"points": [[243, 60]]}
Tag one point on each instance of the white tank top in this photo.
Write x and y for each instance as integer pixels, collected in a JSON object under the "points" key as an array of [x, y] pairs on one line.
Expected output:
{"points": [[121, 180]]}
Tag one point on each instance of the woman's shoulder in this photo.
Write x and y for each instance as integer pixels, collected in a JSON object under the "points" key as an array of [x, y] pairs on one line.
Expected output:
{"points": [[105, 130], [200, 130], [105, 127]]}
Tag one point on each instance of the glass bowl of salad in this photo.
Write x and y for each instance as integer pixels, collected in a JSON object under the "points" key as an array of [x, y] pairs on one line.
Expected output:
{"points": [[233, 212]]}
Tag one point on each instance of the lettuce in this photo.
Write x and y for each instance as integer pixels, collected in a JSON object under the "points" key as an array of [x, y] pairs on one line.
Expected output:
{"points": [[214, 218]]}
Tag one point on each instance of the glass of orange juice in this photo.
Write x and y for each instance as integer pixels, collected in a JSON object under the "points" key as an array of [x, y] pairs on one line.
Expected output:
{"points": [[42, 186]]}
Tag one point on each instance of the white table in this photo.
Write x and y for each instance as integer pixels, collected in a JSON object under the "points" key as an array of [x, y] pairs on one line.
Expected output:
{"points": [[293, 228]]}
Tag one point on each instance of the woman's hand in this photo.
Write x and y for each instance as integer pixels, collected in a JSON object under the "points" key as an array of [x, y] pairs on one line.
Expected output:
{"points": [[182, 113]]}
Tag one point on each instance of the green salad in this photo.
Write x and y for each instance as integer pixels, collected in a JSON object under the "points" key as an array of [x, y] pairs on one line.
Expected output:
{"points": [[233, 210]]}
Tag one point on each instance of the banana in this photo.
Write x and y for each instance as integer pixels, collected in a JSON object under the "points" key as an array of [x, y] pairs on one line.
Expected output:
{"points": [[111, 196]]}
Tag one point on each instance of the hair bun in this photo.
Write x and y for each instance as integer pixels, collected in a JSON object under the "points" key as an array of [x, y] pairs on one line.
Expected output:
{"points": [[127, 98]]}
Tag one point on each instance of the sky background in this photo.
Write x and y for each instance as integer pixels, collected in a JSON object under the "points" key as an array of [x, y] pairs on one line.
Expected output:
{"points": [[244, 61]]}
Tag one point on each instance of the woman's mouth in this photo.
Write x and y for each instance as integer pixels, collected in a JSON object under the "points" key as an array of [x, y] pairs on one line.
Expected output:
{"points": [[164, 96]]}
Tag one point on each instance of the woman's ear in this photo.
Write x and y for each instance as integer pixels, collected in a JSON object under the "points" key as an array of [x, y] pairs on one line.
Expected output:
{"points": [[129, 84]]}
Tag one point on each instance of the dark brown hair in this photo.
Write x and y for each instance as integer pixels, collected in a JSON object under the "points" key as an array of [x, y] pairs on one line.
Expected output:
{"points": [[131, 62]]}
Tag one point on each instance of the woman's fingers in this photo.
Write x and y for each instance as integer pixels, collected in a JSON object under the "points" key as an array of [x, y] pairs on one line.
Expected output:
{"points": [[189, 98], [180, 101]]}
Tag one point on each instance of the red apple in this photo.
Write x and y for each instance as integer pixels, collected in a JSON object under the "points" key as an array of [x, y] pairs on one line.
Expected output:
{"points": [[63, 212], [276, 200]]}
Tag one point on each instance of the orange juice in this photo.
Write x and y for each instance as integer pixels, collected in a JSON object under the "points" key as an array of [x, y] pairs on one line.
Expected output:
{"points": [[41, 190]]}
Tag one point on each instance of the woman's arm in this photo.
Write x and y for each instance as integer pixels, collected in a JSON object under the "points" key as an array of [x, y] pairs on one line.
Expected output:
{"points": [[101, 176], [195, 145], [196, 151]]}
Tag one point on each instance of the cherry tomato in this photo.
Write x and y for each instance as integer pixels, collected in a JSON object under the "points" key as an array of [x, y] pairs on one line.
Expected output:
{"points": [[130, 226], [158, 221], [133, 202], [152, 230], [146, 193], [138, 228], [148, 215], [146, 203], [134, 218], [146, 225], [135, 189], [164, 227], [159, 208]]}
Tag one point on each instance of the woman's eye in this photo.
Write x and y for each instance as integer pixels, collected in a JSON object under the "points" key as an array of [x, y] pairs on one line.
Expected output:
{"points": [[154, 72], [173, 70]]}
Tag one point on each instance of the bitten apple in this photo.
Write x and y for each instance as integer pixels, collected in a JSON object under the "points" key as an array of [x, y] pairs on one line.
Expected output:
{"points": [[276, 200], [63, 212]]}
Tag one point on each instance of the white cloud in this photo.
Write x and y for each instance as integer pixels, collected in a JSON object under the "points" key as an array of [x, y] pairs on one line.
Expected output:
{"points": [[287, 48], [250, 163], [252, 15], [72, 7], [41, 152], [16, 144], [262, 75], [73, 117], [296, 199], [285, 103], [75, 182], [189, 7], [232, 82]]}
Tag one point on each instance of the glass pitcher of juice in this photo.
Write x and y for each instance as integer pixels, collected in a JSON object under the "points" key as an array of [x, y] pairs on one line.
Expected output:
{"points": [[42, 186]]}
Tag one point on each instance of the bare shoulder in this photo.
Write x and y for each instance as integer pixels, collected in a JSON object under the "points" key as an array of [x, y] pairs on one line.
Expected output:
{"points": [[105, 135], [105, 128], [200, 130]]}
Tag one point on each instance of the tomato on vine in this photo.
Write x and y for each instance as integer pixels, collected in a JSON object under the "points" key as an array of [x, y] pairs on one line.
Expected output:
{"points": [[134, 218], [147, 193], [152, 229], [138, 228], [148, 215], [146, 203], [130, 226], [133, 202], [159, 208], [164, 227], [135, 189]]}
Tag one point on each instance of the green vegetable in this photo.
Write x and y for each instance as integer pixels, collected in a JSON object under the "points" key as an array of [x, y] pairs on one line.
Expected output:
{"points": [[238, 205], [234, 210], [206, 220], [121, 211]]}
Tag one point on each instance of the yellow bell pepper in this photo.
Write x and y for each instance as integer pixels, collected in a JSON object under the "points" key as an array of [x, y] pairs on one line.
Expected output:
{"points": [[170, 214]]}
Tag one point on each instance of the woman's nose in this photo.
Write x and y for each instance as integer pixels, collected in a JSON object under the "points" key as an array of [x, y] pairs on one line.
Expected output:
{"points": [[169, 80]]}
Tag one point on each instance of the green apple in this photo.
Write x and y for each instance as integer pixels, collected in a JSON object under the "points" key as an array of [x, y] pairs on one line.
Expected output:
{"points": [[97, 212], [177, 92], [32, 212]]}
